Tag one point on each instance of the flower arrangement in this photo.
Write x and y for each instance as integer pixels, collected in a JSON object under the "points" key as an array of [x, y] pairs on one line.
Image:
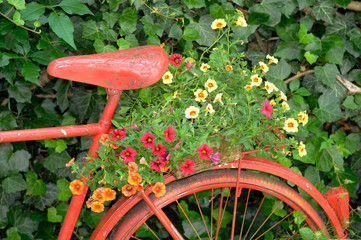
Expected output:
{"points": [[200, 111]]}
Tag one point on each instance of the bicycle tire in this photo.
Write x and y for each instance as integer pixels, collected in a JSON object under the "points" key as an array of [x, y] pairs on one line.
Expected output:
{"points": [[215, 179]]}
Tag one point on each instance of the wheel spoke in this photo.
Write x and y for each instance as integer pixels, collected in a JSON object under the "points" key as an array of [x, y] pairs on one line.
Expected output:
{"points": [[244, 214], [238, 194], [151, 230], [212, 213], [254, 218], [266, 220], [200, 210], [219, 215], [188, 219], [225, 205]]}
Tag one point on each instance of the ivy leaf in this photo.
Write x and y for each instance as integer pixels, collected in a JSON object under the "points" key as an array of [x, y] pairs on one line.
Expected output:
{"points": [[17, 19], [7, 121], [270, 8], [312, 174], [18, 4], [92, 218], [52, 215], [31, 72], [56, 161], [12, 234], [74, 7], [329, 110], [62, 27], [324, 10], [18, 217], [90, 30], [306, 233], [65, 192], [195, 3], [41, 201], [34, 186], [278, 73], [84, 103], [175, 31], [305, 37], [350, 103], [327, 74], [6, 150], [33, 11], [328, 157], [343, 3], [191, 34], [20, 161], [100, 47], [305, 3], [206, 33], [14, 183], [242, 33], [299, 217], [311, 58], [122, 44], [289, 50], [62, 87], [128, 21]]}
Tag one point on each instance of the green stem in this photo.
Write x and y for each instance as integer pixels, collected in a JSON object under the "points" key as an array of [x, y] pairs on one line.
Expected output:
{"points": [[26, 28], [218, 38]]}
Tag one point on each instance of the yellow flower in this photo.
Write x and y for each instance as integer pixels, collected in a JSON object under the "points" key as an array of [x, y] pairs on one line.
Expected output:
{"points": [[256, 80], [205, 67], [248, 87], [211, 85], [143, 161], [229, 68], [291, 125], [192, 112], [272, 59], [282, 96], [272, 102], [167, 77], [209, 108], [201, 95], [175, 94], [218, 98], [302, 149], [218, 23], [241, 22], [263, 66], [285, 106], [269, 87], [303, 118]]}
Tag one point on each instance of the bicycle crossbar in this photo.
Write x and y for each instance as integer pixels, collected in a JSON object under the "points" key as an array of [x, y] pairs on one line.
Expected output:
{"points": [[52, 132]]}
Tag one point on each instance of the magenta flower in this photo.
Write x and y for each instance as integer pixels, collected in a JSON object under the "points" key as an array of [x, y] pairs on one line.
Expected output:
{"points": [[169, 134], [267, 108], [176, 59], [187, 167], [216, 158], [157, 164], [189, 66], [128, 154], [165, 157], [177, 145], [118, 134], [147, 139], [205, 152], [158, 149]]}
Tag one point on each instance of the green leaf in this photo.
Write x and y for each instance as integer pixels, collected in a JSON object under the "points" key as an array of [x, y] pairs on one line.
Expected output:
{"points": [[17, 18], [242, 33], [14, 183], [128, 21], [74, 7], [62, 87], [195, 3], [62, 27], [123, 44], [56, 161], [111, 18], [305, 37], [9, 72], [350, 103], [306, 233], [84, 103], [256, 18], [41, 201], [52, 215], [18, 4], [100, 47], [151, 28], [145, 95], [272, 8], [6, 150], [33, 11], [278, 73], [305, 3], [299, 218], [175, 31], [343, 3], [90, 30], [324, 10], [41, 57], [31, 72], [93, 218], [18, 217], [191, 34], [12, 234], [311, 58], [203, 28], [289, 50], [20, 161], [327, 74], [329, 110], [312, 174], [34, 186], [7, 121], [65, 193]]}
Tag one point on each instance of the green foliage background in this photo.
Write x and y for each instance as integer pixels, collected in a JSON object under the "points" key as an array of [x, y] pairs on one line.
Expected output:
{"points": [[318, 35]]}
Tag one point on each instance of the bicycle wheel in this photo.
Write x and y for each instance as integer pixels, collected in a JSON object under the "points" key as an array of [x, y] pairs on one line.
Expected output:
{"points": [[263, 206]]}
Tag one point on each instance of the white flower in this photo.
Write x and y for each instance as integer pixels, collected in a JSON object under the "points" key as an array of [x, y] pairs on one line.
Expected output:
{"points": [[218, 23], [167, 77], [192, 112], [303, 118], [218, 98], [241, 22], [291, 125], [256, 80], [209, 108], [302, 149], [272, 59], [201, 95], [211, 85], [263, 66]]}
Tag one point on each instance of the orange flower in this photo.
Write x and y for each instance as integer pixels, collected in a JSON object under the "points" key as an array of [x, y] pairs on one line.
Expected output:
{"points": [[159, 189], [138, 187], [98, 195], [76, 187], [89, 202], [134, 179], [114, 146], [133, 167], [70, 162], [165, 168], [104, 139], [109, 194], [97, 207], [128, 190], [229, 68]]}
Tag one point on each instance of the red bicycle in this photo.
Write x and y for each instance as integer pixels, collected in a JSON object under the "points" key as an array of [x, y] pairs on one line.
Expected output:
{"points": [[230, 200]]}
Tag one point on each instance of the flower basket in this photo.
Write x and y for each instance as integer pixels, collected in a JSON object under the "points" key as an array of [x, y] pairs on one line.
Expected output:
{"points": [[202, 113]]}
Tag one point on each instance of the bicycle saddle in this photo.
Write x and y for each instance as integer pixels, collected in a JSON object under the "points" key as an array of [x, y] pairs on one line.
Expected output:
{"points": [[127, 69]]}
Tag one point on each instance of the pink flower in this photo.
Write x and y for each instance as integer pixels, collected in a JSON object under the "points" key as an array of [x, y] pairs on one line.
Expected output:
{"points": [[169, 134], [165, 157], [187, 167], [176, 59], [158, 149], [118, 134], [267, 108], [216, 158], [177, 145], [205, 152], [189, 66], [147, 139], [128, 154], [157, 164]]}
